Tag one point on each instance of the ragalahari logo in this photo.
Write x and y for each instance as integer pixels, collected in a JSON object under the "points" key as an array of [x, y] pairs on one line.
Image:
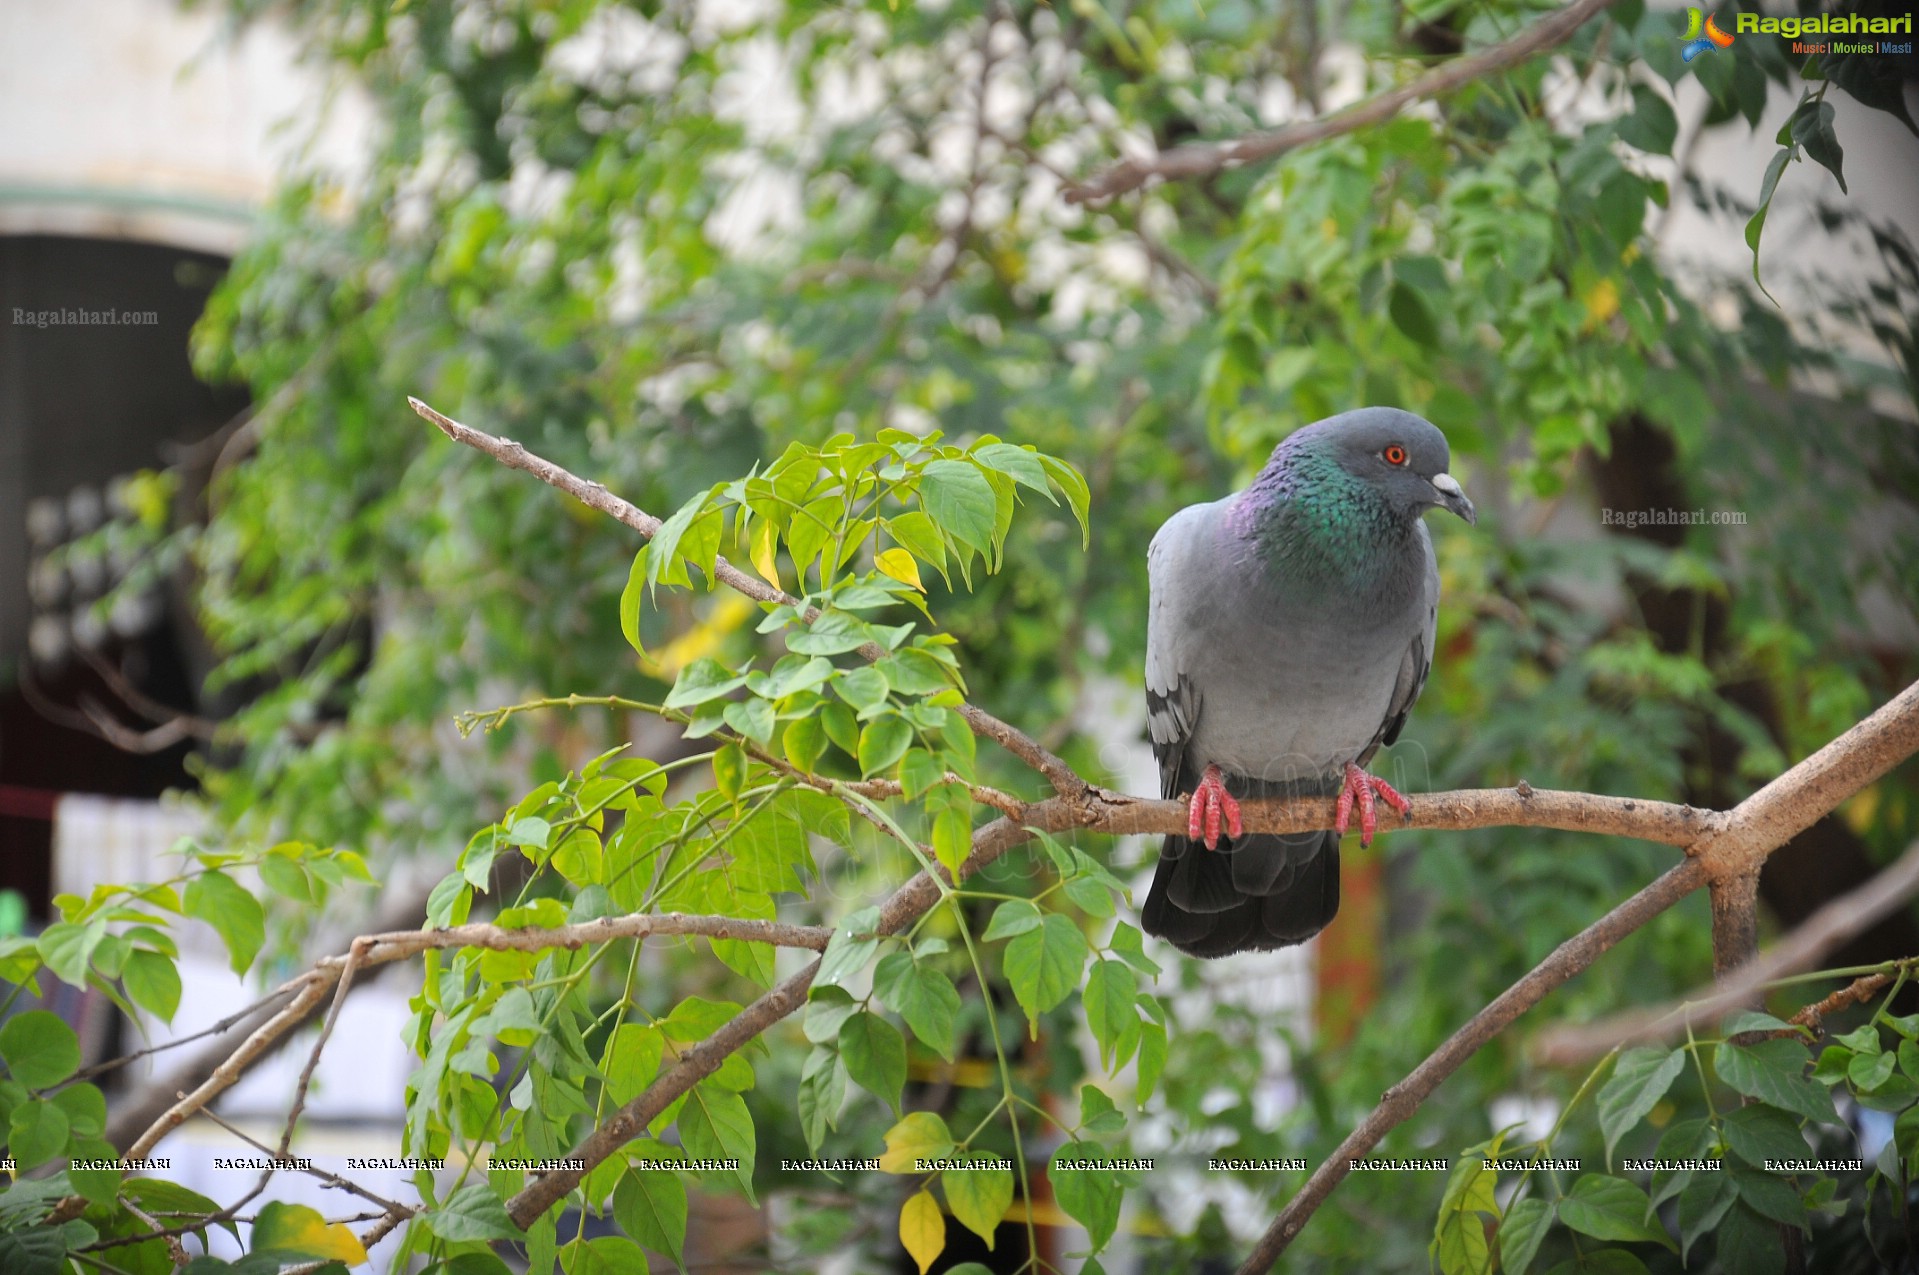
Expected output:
{"points": [[1698, 21]]}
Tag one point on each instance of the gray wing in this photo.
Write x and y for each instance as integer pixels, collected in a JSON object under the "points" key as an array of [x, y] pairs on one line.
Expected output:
{"points": [[1418, 661], [1173, 697]]}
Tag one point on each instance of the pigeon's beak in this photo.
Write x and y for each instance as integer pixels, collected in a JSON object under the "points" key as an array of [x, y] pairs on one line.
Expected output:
{"points": [[1452, 496]]}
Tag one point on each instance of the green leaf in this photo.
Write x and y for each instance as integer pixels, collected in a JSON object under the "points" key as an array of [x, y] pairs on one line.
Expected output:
{"points": [[850, 948], [1757, 223], [1021, 464], [630, 1060], [1411, 315], [473, 1213], [822, 1094], [1685, 1140], [1521, 1232], [1701, 1208], [827, 1009], [1078, 495], [1608, 1208], [834, 633], [1111, 992], [600, 1255], [1090, 1196], [959, 500], [924, 997], [1812, 130], [1652, 127], [702, 680], [234, 914], [1869, 1071], [40, 1250], [630, 601], [729, 768], [1043, 965], [1771, 1196], [1011, 918], [1639, 1080], [715, 1124], [919, 771], [1459, 1238], [68, 949], [864, 688], [917, 534], [804, 742], [86, 1109], [1757, 1134], [1774, 1072], [979, 1198], [1748, 1244], [883, 743], [875, 1056], [953, 839], [37, 1132], [650, 1206], [39, 1049]]}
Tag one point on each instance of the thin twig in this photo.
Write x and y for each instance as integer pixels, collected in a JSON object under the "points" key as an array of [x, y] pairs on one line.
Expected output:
{"points": [[356, 955], [225, 1024], [313, 987], [387, 1207], [1203, 159]]}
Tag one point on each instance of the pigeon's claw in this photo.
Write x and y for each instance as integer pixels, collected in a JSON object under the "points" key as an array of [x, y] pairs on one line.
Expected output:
{"points": [[1212, 804], [1362, 789]]}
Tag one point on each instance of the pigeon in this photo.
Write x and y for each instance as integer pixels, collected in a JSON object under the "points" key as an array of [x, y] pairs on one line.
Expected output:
{"points": [[1290, 631]]}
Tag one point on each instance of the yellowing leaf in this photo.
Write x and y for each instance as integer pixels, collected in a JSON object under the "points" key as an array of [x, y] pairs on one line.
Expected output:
{"points": [[922, 1229], [919, 1135], [297, 1229], [900, 565], [1602, 302], [764, 538]]}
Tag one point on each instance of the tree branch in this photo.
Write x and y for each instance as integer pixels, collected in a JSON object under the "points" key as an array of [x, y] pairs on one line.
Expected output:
{"points": [[1203, 159], [1831, 925], [1782, 809]]}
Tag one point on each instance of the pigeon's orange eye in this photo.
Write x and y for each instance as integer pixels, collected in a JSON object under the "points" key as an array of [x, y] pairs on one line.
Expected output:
{"points": [[1395, 455]]}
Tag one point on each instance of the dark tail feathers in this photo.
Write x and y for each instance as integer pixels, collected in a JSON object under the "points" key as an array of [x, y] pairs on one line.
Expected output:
{"points": [[1253, 893]]}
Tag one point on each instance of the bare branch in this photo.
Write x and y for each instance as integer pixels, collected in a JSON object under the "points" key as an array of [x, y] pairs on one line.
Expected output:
{"points": [[1399, 1103], [1825, 929], [314, 988], [355, 957], [1203, 159], [225, 1024], [1809, 791], [596, 496], [1781, 809], [401, 944]]}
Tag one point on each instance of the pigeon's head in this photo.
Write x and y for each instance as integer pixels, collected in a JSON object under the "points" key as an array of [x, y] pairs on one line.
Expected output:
{"points": [[1401, 456]]}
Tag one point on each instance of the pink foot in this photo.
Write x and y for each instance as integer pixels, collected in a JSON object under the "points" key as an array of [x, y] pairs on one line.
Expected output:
{"points": [[1211, 802], [1362, 787]]}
